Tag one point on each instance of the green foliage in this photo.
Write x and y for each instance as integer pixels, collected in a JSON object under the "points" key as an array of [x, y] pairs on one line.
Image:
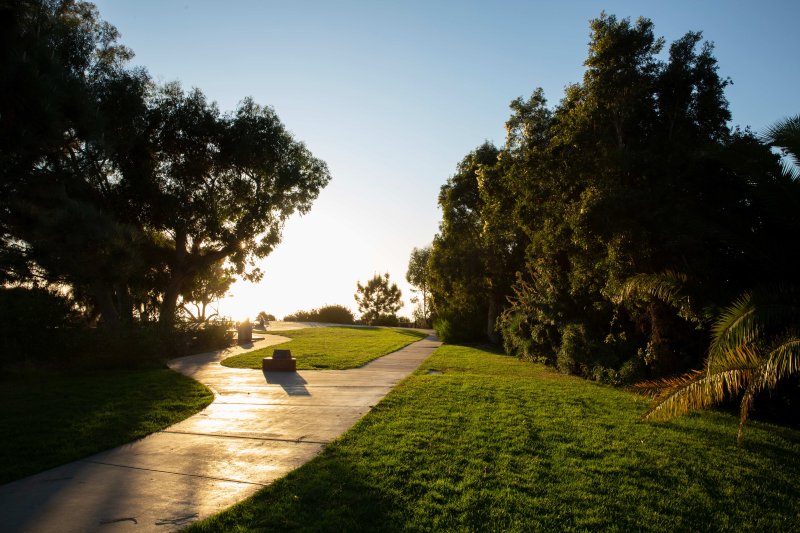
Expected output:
{"points": [[203, 289], [129, 193], [418, 275], [611, 189], [332, 348], [43, 329], [31, 322], [608, 228], [328, 314], [264, 318], [785, 135], [755, 346], [49, 419], [378, 300], [495, 444], [474, 255], [452, 328], [755, 343], [385, 320]]}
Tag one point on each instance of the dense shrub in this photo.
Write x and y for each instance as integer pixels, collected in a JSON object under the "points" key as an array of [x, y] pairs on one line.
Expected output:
{"points": [[34, 324], [335, 314], [146, 345], [299, 316], [331, 314], [458, 328], [41, 327], [385, 320]]}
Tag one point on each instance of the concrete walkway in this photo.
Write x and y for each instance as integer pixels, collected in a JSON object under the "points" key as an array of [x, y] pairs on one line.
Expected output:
{"points": [[259, 427]]}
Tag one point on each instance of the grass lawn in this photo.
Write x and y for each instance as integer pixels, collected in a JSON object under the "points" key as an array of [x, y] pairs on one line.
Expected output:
{"points": [[494, 444], [48, 420], [333, 347]]}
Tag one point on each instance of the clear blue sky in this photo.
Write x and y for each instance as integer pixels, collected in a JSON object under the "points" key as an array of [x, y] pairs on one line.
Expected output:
{"points": [[392, 95]]}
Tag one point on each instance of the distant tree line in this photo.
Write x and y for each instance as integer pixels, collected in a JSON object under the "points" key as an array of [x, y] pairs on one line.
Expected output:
{"points": [[611, 232], [138, 202]]}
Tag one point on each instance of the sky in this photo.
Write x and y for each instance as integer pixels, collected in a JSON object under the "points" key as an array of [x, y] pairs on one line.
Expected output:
{"points": [[392, 95]]}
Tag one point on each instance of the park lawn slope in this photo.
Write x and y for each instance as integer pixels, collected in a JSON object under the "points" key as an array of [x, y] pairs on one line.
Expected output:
{"points": [[49, 419], [495, 444], [337, 348]]}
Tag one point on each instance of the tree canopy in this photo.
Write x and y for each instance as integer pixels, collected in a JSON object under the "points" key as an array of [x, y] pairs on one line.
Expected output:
{"points": [[129, 192], [418, 276], [633, 175], [378, 300]]}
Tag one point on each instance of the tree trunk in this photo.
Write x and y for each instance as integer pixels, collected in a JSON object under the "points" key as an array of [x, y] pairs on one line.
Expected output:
{"points": [[491, 318], [124, 303], [169, 303], [105, 303]]}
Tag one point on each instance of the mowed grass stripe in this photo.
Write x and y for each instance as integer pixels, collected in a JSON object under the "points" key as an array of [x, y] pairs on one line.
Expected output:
{"points": [[495, 444], [332, 347]]}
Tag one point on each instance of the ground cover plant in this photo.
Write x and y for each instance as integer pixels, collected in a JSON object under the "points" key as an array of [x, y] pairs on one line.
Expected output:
{"points": [[49, 418], [476, 441], [332, 348]]}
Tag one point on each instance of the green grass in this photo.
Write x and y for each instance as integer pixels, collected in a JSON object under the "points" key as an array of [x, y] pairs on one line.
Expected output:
{"points": [[332, 347], [48, 419], [494, 444]]}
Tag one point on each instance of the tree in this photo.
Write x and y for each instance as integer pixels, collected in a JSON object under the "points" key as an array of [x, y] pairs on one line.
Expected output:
{"points": [[756, 344], [418, 276], [756, 341], [633, 173], [378, 299], [459, 268], [65, 98], [124, 190], [206, 287], [220, 186], [263, 319]]}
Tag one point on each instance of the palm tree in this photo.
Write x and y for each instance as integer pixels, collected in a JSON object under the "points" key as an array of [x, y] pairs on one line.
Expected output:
{"points": [[756, 343], [756, 339]]}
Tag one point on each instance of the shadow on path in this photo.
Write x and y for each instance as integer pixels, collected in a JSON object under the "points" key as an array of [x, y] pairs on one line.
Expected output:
{"points": [[291, 382]]}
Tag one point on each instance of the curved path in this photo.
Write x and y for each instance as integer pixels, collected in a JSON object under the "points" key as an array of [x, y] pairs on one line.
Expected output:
{"points": [[259, 427]]}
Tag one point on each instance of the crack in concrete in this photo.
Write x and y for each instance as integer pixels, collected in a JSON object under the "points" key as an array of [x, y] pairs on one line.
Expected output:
{"points": [[177, 473], [179, 521], [116, 520], [229, 436]]}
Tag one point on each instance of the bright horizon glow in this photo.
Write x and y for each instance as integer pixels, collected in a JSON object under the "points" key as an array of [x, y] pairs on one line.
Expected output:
{"points": [[393, 95]]}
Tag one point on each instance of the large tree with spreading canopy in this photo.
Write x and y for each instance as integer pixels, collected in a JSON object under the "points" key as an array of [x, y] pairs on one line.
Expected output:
{"points": [[126, 190]]}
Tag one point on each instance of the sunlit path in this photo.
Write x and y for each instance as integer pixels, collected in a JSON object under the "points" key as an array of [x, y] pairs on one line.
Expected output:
{"points": [[258, 428]]}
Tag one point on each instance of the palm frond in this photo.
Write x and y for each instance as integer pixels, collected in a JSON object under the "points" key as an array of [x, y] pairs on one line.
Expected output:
{"points": [[742, 356], [696, 390], [653, 388], [782, 360], [734, 326], [785, 134], [751, 351], [667, 286], [753, 315]]}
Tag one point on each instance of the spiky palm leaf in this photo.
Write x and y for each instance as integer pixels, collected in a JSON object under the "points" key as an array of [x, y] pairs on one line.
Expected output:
{"points": [[755, 343], [782, 361], [667, 286], [755, 346], [785, 134], [765, 311]]}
